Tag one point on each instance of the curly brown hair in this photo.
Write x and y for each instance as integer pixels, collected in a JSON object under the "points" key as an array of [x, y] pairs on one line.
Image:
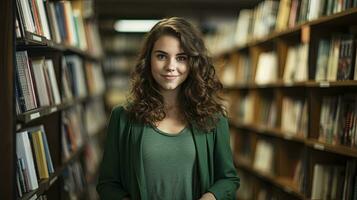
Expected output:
{"points": [[199, 96]]}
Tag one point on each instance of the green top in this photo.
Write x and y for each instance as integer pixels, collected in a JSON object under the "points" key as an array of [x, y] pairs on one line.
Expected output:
{"points": [[122, 170], [169, 164]]}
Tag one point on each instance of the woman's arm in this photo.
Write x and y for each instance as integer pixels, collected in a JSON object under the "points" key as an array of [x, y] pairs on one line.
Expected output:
{"points": [[109, 186], [225, 174]]}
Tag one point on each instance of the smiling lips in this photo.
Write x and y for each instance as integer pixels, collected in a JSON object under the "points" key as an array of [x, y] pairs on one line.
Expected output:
{"points": [[169, 77]]}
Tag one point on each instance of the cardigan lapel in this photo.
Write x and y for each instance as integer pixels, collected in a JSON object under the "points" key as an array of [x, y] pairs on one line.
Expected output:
{"points": [[201, 150], [136, 158]]}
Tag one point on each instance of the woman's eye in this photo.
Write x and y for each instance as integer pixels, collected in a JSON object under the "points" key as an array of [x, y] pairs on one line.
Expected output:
{"points": [[160, 56], [181, 58]]}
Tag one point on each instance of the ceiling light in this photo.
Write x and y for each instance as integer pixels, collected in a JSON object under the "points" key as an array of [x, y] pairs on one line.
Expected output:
{"points": [[134, 25]]}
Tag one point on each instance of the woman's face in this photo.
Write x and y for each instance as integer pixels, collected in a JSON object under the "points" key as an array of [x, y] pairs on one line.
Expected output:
{"points": [[169, 63]]}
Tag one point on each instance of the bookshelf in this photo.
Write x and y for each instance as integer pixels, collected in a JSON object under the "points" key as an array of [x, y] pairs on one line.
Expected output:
{"points": [[121, 50], [52, 100], [7, 147], [292, 125]]}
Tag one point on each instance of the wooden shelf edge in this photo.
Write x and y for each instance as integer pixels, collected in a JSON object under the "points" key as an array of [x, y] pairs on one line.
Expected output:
{"points": [[310, 142], [305, 84], [32, 40], [272, 179], [38, 113]]}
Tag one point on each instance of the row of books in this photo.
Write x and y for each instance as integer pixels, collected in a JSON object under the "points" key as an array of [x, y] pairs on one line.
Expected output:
{"points": [[74, 181], [335, 62], [334, 181], [94, 116], [270, 16], [123, 43], [336, 58], [34, 162], [73, 133], [60, 21], [296, 64], [338, 120], [119, 63], [294, 117], [267, 111], [37, 85]]}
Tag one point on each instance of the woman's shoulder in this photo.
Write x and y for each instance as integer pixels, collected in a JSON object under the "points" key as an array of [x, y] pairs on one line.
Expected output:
{"points": [[120, 112]]}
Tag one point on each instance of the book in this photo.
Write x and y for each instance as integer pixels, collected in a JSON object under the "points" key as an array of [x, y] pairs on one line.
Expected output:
{"points": [[40, 155], [24, 151], [263, 159], [37, 69], [345, 65], [267, 68], [322, 60]]}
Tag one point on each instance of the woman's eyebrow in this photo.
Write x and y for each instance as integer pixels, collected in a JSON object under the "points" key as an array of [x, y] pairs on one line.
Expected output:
{"points": [[163, 52], [160, 51]]}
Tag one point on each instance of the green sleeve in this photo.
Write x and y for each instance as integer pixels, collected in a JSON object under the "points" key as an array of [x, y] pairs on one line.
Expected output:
{"points": [[225, 175], [109, 185]]}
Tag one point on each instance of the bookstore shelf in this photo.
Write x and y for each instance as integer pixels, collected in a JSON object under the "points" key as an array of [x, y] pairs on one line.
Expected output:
{"points": [[280, 182], [313, 143], [38, 113], [34, 41], [45, 184], [345, 17], [302, 84]]}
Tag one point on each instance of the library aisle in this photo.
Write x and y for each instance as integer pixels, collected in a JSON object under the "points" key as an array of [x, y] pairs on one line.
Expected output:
{"points": [[288, 67]]}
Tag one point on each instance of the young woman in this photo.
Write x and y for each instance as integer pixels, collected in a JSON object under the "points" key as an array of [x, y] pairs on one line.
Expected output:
{"points": [[171, 141]]}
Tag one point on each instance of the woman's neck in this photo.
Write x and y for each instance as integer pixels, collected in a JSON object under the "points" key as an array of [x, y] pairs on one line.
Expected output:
{"points": [[170, 99]]}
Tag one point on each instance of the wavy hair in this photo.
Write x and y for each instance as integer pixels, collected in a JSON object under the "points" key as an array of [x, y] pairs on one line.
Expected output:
{"points": [[199, 93]]}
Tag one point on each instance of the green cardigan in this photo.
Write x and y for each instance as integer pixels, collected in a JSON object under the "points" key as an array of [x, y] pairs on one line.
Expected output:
{"points": [[122, 173]]}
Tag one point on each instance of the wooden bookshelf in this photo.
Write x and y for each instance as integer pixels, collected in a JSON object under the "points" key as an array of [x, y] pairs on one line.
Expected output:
{"points": [[50, 116], [252, 107], [7, 147]]}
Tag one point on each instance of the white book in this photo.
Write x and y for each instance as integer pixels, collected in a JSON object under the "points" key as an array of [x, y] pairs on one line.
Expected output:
{"points": [[243, 26], [37, 68], [28, 18], [263, 160], [290, 65], [43, 19], [23, 150], [53, 80], [301, 71], [314, 9], [333, 59], [317, 181], [52, 15], [267, 68]]}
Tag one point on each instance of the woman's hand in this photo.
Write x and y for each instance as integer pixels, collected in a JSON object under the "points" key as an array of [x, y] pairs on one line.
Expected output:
{"points": [[208, 196]]}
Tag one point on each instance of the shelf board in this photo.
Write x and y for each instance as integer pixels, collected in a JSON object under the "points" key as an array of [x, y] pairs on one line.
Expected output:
{"points": [[37, 113], [337, 149], [310, 142], [280, 182], [304, 84], [45, 184], [275, 132], [34, 41]]}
